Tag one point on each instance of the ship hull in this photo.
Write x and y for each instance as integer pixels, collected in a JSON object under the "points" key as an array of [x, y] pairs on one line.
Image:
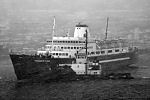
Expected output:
{"points": [[36, 67], [44, 68], [115, 63]]}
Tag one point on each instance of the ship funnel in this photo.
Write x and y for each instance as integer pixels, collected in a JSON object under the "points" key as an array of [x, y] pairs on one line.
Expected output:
{"points": [[80, 31]]}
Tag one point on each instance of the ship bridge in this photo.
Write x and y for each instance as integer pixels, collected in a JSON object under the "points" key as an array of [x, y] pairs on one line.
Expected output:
{"points": [[67, 43], [80, 31]]}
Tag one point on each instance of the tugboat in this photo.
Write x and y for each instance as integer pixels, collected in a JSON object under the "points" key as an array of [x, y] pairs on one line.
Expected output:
{"points": [[68, 56]]}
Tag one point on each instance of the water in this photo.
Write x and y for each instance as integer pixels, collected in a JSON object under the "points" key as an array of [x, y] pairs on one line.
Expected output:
{"points": [[7, 77], [143, 66], [9, 91]]}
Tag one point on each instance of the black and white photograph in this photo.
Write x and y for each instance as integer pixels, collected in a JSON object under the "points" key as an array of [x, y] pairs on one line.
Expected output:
{"points": [[74, 49]]}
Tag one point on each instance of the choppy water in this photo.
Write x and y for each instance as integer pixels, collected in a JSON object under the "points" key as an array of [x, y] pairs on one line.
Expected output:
{"points": [[8, 78]]}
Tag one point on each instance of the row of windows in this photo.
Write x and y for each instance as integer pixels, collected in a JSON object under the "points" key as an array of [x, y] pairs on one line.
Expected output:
{"points": [[81, 57], [67, 41], [84, 73], [103, 52], [72, 47], [66, 47], [60, 54]]}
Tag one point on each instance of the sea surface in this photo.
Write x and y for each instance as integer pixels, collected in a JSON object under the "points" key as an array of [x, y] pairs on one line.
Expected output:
{"points": [[9, 91]]}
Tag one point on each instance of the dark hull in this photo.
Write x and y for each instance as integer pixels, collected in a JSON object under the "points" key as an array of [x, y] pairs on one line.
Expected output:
{"points": [[40, 68], [116, 62], [44, 68]]}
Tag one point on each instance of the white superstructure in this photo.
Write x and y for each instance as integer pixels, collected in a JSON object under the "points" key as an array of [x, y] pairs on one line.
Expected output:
{"points": [[80, 31], [75, 47], [66, 46]]}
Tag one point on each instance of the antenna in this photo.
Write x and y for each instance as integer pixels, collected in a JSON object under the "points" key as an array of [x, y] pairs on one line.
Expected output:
{"points": [[106, 28], [53, 31]]}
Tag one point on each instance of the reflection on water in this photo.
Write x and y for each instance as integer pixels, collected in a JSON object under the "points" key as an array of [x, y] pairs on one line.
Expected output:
{"points": [[8, 78]]}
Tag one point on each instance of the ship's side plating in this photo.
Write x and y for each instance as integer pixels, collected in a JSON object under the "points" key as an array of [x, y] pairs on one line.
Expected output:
{"points": [[115, 62], [29, 66]]}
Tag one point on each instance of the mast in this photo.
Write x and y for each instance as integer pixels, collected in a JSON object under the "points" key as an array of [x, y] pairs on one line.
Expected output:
{"points": [[106, 28], [53, 31], [86, 42]]}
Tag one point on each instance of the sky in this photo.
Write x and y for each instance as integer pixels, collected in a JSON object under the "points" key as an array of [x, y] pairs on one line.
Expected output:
{"points": [[31, 20]]}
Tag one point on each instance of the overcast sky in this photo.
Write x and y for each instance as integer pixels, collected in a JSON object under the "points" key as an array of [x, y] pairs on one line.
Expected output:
{"points": [[125, 15], [74, 8]]}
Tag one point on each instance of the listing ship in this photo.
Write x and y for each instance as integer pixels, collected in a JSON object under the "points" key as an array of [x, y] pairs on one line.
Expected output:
{"points": [[80, 55]]}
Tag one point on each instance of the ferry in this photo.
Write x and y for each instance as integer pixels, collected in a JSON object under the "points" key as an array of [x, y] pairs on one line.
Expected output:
{"points": [[80, 55]]}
